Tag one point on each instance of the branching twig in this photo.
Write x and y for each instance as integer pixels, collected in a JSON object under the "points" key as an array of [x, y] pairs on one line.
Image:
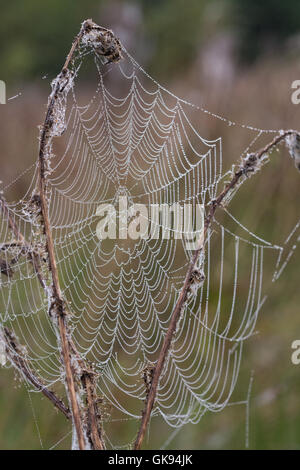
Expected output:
{"points": [[14, 352], [76, 371], [58, 304], [244, 169], [108, 46], [104, 44]]}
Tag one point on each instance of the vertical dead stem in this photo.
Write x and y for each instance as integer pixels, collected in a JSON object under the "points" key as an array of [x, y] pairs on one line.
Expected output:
{"points": [[58, 303], [86, 418], [58, 306], [150, 399]]}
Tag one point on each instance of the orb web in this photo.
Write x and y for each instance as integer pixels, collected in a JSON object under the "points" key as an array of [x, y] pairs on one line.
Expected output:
{"points": [[130, 137]]}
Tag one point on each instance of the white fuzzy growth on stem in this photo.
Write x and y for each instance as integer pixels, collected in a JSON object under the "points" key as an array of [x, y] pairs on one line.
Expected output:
{"points": [[293, 145]]}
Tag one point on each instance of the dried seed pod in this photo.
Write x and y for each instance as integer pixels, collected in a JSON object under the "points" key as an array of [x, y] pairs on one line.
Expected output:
{"points": [[104, 42], [196, 280]]}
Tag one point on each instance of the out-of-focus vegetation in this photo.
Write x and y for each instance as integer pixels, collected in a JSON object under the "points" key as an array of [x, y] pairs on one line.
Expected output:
{"points": [[195, 47], [33, 35], [264, 27], [167, 33]]}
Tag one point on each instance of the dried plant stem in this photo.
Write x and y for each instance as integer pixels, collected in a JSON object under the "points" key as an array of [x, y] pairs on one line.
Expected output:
{"points": [[150, 399], [58, 303], [83, 377], [13, 350], [92, 415], [89, 385], [16, 356], [67, 347]]}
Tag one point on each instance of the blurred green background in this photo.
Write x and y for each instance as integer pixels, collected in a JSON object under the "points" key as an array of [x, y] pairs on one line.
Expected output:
{"points": [[239, 59]]}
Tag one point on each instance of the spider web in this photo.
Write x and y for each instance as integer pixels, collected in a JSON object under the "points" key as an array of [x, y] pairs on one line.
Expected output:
{"points": [[132, 137]]}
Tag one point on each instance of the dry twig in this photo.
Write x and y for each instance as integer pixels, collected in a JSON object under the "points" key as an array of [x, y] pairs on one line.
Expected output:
{"points": [[244, 169], [107, 45], [15, 353]]}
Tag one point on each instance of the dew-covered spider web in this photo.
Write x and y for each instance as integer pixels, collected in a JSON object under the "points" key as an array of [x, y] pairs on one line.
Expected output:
{"points": [[127, 136]]}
